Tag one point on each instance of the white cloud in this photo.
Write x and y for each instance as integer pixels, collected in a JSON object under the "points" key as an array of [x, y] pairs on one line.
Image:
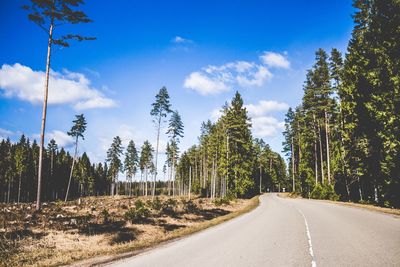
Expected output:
{"points": [[217, 79], [204, 85], [275, 60], [216, 114], [181, 40], [64, 87], [266, 126], [62, 138], [257, 79], [265, 106], [5, 133], [263, 124]]}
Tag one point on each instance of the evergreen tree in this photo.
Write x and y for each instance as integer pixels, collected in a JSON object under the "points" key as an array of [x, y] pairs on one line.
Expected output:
{"points": [[20, 158], [146, 163], [49, 15], [115, 164], [131, 164], [161, 108], [76, 131], [175, 131]]}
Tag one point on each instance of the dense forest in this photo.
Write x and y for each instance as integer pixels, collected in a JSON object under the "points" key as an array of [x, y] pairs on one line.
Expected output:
{"points": [[343, 140], [226, 162]]}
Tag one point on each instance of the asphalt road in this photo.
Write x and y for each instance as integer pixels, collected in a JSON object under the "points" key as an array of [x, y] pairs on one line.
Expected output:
{"points": [[287, 232]]}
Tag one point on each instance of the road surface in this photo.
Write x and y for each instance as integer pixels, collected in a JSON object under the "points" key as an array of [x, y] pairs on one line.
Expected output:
{"points": [[287, 232]]}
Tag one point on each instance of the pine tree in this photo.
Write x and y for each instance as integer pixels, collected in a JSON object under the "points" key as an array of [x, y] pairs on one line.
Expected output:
{"points": [[240, 146], [161, 108], [76, 131], [131, 164], [146, 162], [115, 164], [49, 15], [175, 131], [20, 158]]}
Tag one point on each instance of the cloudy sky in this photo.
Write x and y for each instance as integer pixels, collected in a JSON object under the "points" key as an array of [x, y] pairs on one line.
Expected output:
{"points": [[202, 51]]}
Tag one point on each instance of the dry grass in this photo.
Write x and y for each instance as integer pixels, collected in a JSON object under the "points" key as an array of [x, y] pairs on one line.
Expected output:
{"points": [[70, 233]]}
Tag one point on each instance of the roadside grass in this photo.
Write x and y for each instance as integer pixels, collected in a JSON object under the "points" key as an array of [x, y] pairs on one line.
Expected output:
{"points": [[103, 229], [129, 250]]}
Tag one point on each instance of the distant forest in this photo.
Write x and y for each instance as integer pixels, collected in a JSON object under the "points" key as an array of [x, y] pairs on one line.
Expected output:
{"points": [[227, 162]]}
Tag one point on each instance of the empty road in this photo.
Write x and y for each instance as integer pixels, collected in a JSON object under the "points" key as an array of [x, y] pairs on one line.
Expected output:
{"points": [[287, 232]]}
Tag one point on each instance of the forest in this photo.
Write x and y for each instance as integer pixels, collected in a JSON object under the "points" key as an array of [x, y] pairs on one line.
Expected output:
{"points": [[227, 162], [343, 140]]}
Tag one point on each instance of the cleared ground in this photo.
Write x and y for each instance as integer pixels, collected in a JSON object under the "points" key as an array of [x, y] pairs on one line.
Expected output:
{"points": [[103, 226]]}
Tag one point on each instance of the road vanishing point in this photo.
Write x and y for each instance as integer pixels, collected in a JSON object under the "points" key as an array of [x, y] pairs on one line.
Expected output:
{"points": [[286, 232]]}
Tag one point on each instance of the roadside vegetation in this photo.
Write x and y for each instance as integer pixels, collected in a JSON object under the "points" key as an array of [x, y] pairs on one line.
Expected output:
{"points": [[64, 233]]}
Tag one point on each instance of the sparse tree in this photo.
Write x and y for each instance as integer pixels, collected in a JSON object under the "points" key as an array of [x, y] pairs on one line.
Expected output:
{"points": [[115, 164], [76, 131], [161, 108], [49, 15]]}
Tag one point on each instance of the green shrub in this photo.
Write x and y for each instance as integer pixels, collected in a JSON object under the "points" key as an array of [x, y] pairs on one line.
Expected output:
{"points": [[106, 216], [156, 204], [222, 201], [169, 206], [324, 192], [316, 193], [189, 206], [137, 214], [330, 193]]}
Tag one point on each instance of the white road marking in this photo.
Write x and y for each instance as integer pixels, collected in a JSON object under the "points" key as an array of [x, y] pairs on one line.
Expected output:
{"points": [[313, 263]]}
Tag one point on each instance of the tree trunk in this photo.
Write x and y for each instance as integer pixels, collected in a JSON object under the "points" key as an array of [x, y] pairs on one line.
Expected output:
{"points": [[260, 176], [173, 173], [19, 188], [328, 165], [169, 180], [156, 159], [145, 179], [44, 111], [294, 184], [359, 189], [112, 187], [315, 153], [299, 146], [72, 168], [321, 152], [9, 191], [190, 180]]}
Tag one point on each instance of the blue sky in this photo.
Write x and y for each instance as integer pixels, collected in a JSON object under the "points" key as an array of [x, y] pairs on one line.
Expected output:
{"points": [[202, 51]]}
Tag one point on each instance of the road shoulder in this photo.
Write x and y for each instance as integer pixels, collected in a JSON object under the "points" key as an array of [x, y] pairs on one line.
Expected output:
{"points": [[370, 207]]}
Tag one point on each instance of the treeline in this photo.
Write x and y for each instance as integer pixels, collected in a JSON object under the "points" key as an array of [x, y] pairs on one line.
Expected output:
{"points": [[343, 140], [228, 162], [19, 168]]}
